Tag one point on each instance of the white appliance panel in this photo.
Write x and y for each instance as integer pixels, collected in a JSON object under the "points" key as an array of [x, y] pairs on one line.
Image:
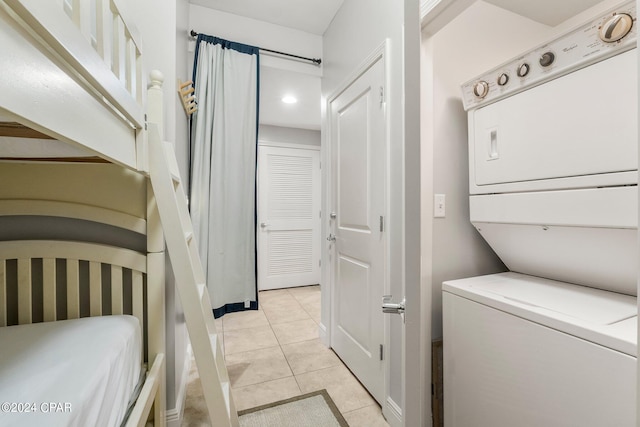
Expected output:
{"points": [[602, 317], [579, 303], [579, 124], [605, 36], [553, 181], [611, 207], [504, 371], [604, 258]]}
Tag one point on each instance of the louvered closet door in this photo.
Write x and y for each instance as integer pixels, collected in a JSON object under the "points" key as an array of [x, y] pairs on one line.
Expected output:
{"points": [[288, 217]]}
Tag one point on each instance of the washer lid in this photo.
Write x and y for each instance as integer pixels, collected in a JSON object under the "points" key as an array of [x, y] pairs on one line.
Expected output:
{"points": [[602, 317], [554, 299]]}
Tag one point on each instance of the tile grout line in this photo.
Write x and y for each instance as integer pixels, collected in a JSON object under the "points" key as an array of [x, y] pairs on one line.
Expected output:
{"points": [[295, 376], [338, 364], [285, 356], [257, 349], [264, 382]]}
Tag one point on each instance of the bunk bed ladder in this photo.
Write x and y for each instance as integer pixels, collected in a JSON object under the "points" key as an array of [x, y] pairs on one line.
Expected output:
{"points": [[190, 281]]}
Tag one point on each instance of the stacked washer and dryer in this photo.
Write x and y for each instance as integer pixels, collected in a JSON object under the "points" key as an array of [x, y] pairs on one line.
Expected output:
{"points": [[553, 189]]}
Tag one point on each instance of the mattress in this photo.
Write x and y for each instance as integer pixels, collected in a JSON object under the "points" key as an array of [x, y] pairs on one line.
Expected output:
{"points": [[79, 372]]}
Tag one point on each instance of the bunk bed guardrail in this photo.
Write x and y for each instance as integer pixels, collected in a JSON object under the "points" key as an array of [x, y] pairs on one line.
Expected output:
{"points": [[77, 58]]}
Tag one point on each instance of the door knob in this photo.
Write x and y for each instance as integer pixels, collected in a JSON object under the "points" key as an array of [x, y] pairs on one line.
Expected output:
{"points": [[332, 215], [264, 224], [331, 238], [392, 307]]}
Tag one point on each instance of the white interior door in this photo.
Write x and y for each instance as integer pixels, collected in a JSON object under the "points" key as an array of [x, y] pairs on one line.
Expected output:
{"points": [[358, 151], [288, 217]]}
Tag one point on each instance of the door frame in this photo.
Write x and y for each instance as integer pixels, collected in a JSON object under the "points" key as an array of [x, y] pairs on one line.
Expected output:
{"points": [[416, 356], [287, 145], [381, 53]]}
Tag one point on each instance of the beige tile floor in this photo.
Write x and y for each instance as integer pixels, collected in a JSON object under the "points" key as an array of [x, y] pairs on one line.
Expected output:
{"points": [[274, 353]]}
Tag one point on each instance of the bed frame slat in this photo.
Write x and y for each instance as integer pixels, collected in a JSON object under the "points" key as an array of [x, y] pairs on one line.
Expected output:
{"points": [[114, 287], [73, 289], [117, 64], [81, 15], [3, 293], [137, 297], [24, 291], [49, 290], [104, 30], [139, 78], [117, 301], [95, 288], [129, 63]]}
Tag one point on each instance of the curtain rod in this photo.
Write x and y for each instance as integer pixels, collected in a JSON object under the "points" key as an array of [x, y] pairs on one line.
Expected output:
{"points": [[316, 61]]}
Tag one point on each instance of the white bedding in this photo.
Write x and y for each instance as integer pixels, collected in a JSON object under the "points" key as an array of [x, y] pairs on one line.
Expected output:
{"points": [[79, 372]]}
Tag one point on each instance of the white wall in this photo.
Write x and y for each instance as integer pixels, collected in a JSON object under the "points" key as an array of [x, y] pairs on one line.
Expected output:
{"points": [[480, 38], [183, 73], [456, 54], [288, 135], [259, 33], [182, 361], [278, 76], [471, 44], [158, 22], [359, 27]]}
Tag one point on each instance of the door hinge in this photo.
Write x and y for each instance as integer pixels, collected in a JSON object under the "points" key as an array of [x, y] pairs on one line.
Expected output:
{"points": [[320, 214], [145, 122], [381, 96], [381, 352], [319, 263], [381, 223]]}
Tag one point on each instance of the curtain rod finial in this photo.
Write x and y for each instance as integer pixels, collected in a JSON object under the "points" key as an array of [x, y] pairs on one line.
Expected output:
{"points": [[193, 33]]}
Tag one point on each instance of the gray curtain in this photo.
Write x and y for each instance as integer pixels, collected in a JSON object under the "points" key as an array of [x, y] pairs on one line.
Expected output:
{"points": [[223, 168]]}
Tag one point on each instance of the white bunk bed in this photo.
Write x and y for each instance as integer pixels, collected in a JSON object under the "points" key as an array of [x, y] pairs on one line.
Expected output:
{"points": [[73, 143]]}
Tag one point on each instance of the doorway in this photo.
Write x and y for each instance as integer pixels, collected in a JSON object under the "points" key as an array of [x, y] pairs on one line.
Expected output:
{"points": [[288, 232]]}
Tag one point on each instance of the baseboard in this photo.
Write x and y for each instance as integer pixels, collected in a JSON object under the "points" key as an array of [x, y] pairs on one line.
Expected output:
{"points": [[393, 413], [322, 334], [174, 416]]}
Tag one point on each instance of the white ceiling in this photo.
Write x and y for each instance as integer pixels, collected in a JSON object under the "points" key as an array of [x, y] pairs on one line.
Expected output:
{"points": [[548, 12], [312, 16], [274, 84]]}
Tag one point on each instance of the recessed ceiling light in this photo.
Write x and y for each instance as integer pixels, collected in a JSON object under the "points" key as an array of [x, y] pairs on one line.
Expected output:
{"points": [[289, 99]]}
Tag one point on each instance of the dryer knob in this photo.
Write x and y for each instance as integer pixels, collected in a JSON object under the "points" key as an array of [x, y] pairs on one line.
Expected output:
{"points": [[547, 59], [523, 69], [616, 27], [503, 79], [481, 89]]}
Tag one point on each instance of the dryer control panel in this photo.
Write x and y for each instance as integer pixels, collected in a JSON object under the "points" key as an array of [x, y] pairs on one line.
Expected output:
{"points": [[599, 39]]}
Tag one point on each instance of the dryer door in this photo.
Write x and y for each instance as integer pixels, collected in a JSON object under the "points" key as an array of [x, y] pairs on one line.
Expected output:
{"points": [[576, 125]]}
